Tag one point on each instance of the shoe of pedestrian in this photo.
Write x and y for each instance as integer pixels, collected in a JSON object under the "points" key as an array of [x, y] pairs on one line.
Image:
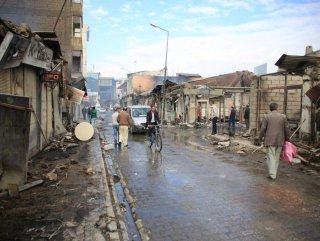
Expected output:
{"points": [[271, 178], [126, 145]]}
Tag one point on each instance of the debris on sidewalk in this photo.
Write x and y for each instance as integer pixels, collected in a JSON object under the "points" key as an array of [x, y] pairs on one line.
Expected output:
{"points": [[108, 147], [24, 187], [62, 142], [89, 171]]}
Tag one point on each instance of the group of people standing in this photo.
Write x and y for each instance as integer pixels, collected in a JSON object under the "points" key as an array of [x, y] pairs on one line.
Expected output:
{"points": [[232, 118], [92, 114]]}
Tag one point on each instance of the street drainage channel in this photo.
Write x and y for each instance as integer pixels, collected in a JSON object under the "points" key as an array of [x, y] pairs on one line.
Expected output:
{"points": [[133, 232]]}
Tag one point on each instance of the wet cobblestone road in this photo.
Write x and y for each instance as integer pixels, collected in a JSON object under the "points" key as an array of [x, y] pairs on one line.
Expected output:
{"points": [[187, 194]]}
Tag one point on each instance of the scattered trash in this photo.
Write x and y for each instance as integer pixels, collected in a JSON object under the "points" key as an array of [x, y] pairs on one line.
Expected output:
{"points": [[241, 152], [295, 161], [116, 178], [51, 176], [24, 187], [62, 142], [72, 161], [123, 207], [90, 171], [224, 143], [84, 131], [70, 224]]}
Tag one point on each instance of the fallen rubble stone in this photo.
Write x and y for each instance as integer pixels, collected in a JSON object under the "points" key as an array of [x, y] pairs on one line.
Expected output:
{"points": [[108, 147], [90, 171], [51, 176]]}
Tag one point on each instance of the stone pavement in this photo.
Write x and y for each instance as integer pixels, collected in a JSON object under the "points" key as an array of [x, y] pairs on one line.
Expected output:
{"points": [[185, 193]]}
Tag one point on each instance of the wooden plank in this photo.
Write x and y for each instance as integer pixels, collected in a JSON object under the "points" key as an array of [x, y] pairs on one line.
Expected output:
{"points": [[23, 187]]}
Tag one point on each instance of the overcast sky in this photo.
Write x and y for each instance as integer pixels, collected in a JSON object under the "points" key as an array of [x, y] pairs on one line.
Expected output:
{"points": [[207, 37]]}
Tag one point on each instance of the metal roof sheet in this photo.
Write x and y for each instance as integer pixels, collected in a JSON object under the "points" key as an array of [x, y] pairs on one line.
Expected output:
{"points": [[295, 63], [314, 95]]}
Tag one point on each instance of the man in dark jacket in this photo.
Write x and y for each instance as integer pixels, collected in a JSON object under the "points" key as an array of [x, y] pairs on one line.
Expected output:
{"points": [[275, 131], [246, 116], [232, 118], [152, 120]]}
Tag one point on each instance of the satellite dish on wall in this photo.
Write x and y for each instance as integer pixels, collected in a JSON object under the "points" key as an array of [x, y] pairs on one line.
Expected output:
{"points": [[84, 131]]}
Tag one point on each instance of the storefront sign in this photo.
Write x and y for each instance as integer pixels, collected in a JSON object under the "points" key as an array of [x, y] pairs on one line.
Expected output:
{"points": [[12, 50], [38, 55], [50, 77]]}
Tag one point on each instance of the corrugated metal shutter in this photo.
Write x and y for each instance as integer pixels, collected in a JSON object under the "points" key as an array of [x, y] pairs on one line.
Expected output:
{"points": [[5, 82]]}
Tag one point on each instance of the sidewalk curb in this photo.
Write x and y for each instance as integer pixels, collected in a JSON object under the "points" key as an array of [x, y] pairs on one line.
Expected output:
{"points": [[117, 228]]}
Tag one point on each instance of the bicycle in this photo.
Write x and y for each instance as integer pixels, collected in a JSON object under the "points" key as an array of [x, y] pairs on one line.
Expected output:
{"points": [[155, 137]]}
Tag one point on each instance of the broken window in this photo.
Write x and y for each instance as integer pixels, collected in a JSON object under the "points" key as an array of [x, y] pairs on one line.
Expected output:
{"points": [[77, 23]]}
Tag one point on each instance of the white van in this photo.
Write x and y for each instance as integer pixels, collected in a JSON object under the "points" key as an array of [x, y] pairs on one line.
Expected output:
{"points": [[138, 115]]}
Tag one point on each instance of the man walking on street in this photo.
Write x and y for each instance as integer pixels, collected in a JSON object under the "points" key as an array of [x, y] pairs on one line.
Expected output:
{"points": [[275, 131], [93, 116], [115, 125], [214, 118], [89, 113], [124, 121], [84, 112]]}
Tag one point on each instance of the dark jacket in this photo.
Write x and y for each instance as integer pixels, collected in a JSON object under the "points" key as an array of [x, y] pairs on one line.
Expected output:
{"points": [[274, 129], [233, 114], [149, 117], [247, 113]]}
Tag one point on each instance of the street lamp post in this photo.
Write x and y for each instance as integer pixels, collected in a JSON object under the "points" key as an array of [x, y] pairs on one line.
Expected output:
{"points": [[165, 73]]}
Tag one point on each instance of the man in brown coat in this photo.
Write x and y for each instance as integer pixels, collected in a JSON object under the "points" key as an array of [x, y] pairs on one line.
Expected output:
{"points": [[124, 121], [275, 131]]}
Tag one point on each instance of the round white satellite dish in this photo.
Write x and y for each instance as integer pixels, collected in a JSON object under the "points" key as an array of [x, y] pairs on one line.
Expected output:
{"points": [[84, 131]]}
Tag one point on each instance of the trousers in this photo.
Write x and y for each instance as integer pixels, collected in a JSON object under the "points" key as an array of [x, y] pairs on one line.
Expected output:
{"points": [[123, 135], [116, 134], [273, 156]]}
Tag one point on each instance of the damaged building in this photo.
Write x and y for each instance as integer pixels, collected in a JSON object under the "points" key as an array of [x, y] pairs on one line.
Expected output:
{"points": [[41, 80], [295, 87], [31, 85]]}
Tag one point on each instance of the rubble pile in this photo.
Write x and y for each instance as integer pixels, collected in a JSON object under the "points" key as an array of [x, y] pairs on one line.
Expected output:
{"points": [[309, 154], [62, 142]]}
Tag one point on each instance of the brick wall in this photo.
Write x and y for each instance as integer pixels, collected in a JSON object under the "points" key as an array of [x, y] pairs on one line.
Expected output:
{"points": [[271, 90]]}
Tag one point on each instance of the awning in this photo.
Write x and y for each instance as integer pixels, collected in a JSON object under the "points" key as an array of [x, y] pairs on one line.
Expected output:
{"points": [[79, 82], [296, 64]]}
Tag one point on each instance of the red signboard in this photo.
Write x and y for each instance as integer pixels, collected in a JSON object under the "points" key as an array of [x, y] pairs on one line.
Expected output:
{"points": [[51, 77]]}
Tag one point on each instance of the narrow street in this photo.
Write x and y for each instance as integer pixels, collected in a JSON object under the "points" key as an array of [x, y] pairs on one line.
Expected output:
{"points": [[190, 191]]}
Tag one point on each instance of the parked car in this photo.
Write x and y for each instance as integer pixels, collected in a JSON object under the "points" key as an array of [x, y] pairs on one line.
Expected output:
{"points": [[138, 115]]}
